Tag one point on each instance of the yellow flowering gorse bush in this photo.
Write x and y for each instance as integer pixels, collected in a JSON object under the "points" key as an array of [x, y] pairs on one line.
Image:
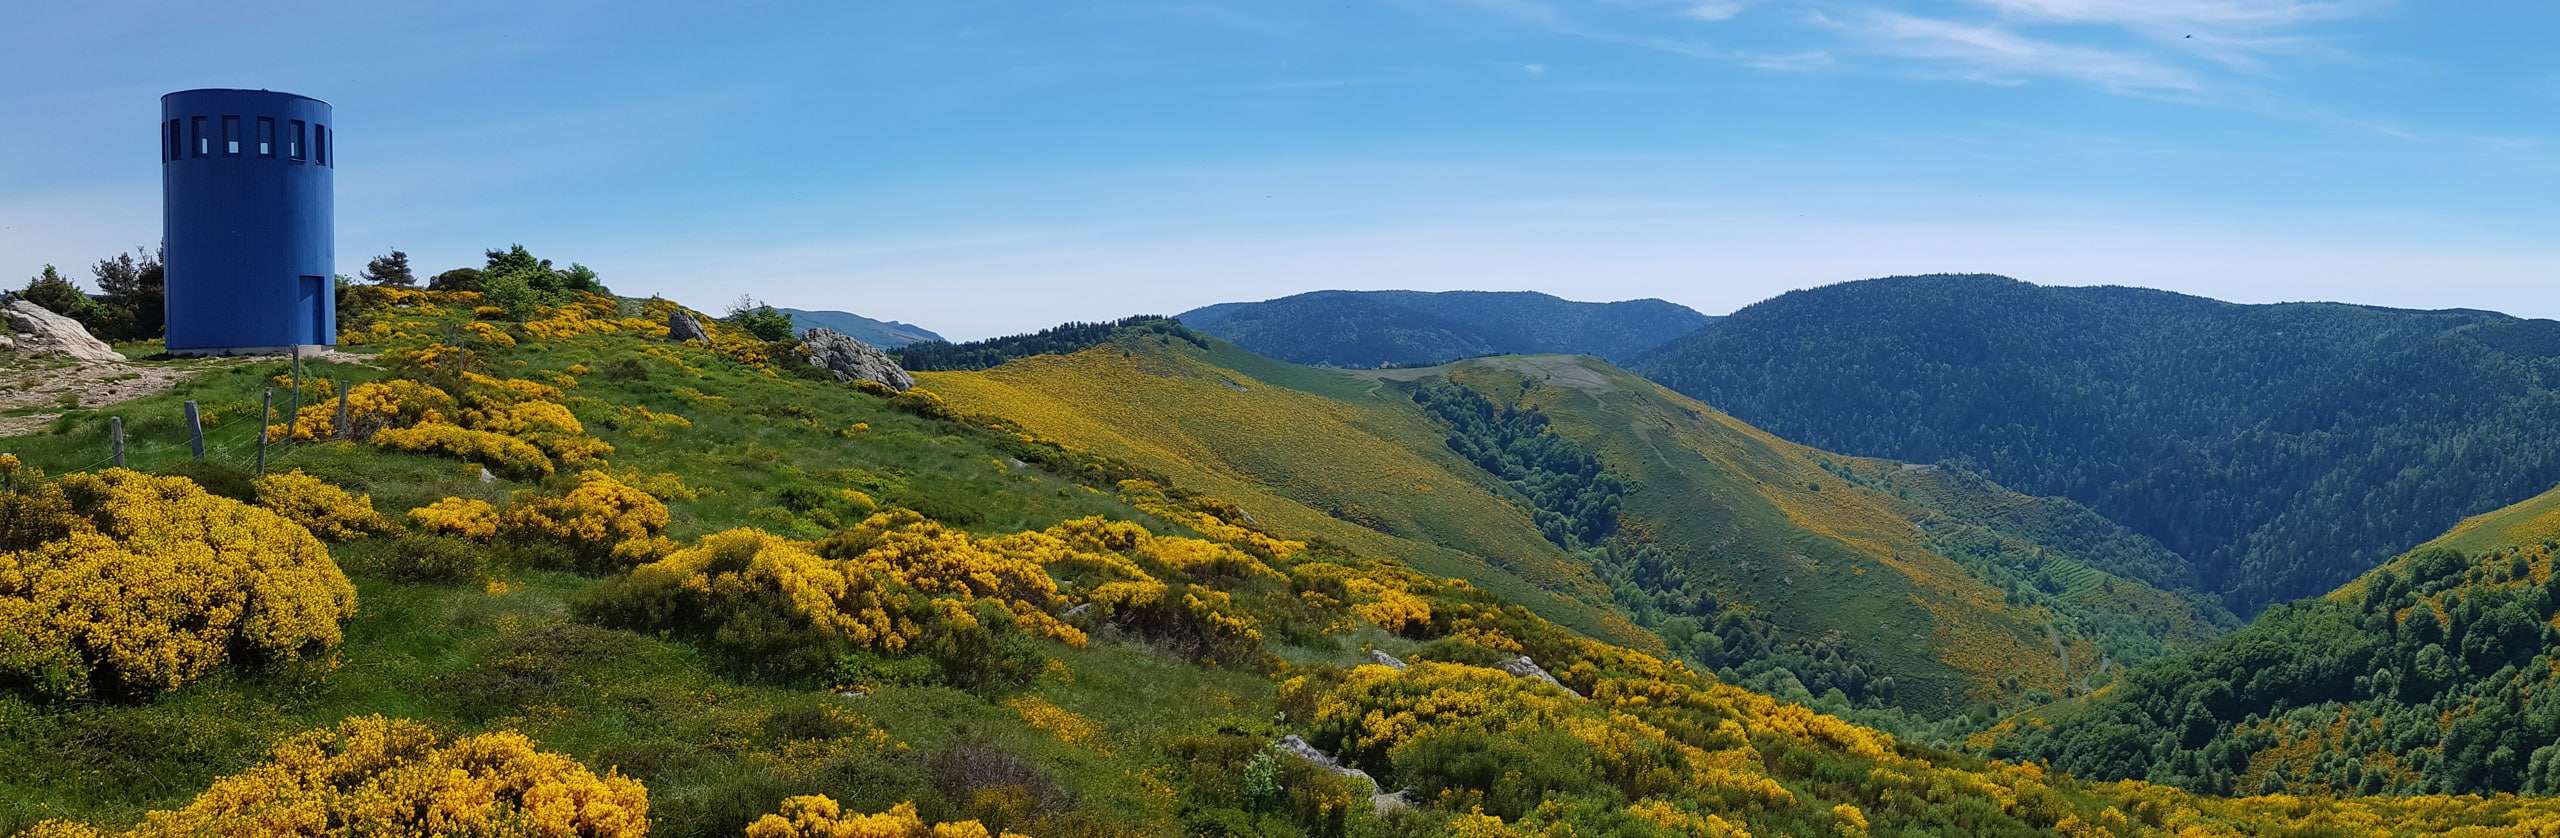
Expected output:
{"points": [[465, 517], [503, 454], [156, 583], [373, 776], [819, 816], [326, 510], [592, 519]]}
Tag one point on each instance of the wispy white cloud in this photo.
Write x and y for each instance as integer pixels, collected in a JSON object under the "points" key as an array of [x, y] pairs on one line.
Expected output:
{"points": [[2185, 16], [2229, 54], [2242, 34], [1997, 54], [1715, 11]]}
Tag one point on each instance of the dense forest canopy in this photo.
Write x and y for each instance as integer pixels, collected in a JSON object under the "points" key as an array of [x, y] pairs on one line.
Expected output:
{"points": [[2281, 448], [1362, 329], [2434, 673], [935, 355]]}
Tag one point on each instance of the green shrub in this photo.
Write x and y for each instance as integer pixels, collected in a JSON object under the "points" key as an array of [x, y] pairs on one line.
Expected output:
{"points": [[431, 560], [218, 479], [1509, 773]]}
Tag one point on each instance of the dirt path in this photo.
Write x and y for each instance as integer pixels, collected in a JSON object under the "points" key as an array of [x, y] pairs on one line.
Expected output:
{"points": [[34, 391]]}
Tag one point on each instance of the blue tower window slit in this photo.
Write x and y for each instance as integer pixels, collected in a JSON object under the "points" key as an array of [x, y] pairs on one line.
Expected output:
{"points": [[204, 142], [293, 144], [231, 136], [266, 136]]}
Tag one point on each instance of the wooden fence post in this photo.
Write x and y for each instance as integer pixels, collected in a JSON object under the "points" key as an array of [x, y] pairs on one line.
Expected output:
{"points": [[115, 438]]}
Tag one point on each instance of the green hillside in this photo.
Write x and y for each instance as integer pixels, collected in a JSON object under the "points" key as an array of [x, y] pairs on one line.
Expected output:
{"points": [[1904, 563], [2283, 449], [591, 582], [1363, 473], [1731, 548], [885, 334], [2432, 673], [1367, 329]]}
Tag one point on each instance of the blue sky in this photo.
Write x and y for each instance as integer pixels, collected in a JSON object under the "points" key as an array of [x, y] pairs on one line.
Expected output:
{"points": [[982, 168]]}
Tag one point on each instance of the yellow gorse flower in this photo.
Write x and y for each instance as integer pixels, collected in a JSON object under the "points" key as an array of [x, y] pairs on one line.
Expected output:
{"points": [[818, 816], [393, 777], [327, 511], [157, 583]]}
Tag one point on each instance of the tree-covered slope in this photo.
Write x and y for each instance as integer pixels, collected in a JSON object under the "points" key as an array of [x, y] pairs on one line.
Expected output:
{"points": [[2434, 672], [885, 334], [1362, 329], [1701, 526], [1866, 566], [2283, 449]]}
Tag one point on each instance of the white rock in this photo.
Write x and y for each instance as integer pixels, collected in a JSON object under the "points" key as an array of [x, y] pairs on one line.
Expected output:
{"points": [[43, 332]]}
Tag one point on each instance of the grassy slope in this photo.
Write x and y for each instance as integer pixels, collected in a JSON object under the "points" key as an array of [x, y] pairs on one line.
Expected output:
{"points": [[1848, 560], [2530, 521], [660, 710], [1295, 459]]}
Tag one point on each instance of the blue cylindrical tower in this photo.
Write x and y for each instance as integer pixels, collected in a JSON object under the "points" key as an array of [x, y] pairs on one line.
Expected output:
{"points": [[248, 219]]}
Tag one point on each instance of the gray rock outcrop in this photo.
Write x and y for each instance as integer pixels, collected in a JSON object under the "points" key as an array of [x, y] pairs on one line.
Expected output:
{"points": [[682, 327], [1523, 667], [1381, 658], [852, 360], [37, 331], [1381, 801]]}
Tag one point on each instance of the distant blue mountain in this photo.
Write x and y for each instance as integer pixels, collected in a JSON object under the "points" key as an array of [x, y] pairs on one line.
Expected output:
{"points": [[889, 334], [1421, 328]]}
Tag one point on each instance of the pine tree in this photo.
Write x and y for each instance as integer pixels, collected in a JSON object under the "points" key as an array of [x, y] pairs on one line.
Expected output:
{"points": [[60, 296], [390, 269], [759, 319], [136, 287]]}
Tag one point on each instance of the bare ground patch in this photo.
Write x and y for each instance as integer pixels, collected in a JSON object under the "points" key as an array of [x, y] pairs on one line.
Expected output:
{"points": [[33, 391]]}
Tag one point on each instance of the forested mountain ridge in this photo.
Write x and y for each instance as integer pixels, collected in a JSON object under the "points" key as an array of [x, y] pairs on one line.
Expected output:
{"points": [[1361, 329], [2283, 449], [2432, 673], [1739, 548]]}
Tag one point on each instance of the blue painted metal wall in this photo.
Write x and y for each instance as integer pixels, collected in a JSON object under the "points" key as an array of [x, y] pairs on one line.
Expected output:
{"points": [[249, 220]]}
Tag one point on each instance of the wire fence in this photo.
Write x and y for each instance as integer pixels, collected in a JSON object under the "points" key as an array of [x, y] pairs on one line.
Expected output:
{"points": [[236, 441]]}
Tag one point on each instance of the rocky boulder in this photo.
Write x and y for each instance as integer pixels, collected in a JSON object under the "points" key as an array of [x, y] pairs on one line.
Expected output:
{"points": [[1523, 667], [682, 327], [852, 360], [1381, 658], [37, 331]]}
